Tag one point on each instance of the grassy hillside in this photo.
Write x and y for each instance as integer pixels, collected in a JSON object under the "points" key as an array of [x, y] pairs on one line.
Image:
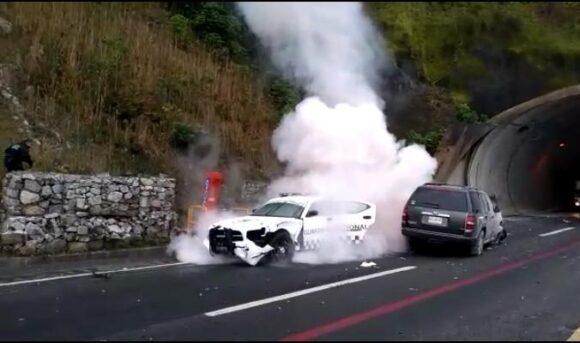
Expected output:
{"points": [[485, 56], [120, 83], [457, 45]]}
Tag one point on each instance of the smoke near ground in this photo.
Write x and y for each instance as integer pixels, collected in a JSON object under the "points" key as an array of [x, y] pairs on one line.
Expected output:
{"points": [[336, 143], [192, 164], [190, 248]]}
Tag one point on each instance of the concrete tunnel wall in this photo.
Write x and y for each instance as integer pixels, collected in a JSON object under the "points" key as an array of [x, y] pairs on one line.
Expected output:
{"points": [[520, 159]]}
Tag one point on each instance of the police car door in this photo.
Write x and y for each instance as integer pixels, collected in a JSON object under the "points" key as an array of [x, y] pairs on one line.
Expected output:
{"points": [[355, 218], [315, 221]]}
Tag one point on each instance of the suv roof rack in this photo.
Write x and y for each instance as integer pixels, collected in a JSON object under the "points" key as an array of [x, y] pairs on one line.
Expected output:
{"points": [[449, 185]]}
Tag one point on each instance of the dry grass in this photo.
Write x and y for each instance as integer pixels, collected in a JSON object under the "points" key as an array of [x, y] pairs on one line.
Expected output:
{"points": [[113, 80]]}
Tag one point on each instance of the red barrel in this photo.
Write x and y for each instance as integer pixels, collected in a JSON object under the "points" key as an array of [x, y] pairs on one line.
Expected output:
{"points": [[213, 183]]}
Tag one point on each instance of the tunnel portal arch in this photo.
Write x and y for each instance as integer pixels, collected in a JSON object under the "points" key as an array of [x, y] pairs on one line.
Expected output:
{"points": [[528, 156]]}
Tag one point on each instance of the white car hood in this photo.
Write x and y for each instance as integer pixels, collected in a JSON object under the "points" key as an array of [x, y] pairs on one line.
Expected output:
{"points": [[248, 223]]}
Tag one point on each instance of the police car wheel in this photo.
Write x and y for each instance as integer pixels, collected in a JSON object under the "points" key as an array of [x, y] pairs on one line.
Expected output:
{"points": [[283, 248]]}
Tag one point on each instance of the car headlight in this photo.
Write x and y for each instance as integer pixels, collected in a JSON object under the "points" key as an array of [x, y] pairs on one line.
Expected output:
{"points": [[577, 203]]}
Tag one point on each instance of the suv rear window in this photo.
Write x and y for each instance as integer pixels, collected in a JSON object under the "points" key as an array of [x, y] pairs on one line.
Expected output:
{"points": [[475, 202], [440, 199]]}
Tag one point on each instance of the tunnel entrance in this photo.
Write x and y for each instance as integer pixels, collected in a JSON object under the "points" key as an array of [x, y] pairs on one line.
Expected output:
{"points": [[530, 160], [532, 163]]}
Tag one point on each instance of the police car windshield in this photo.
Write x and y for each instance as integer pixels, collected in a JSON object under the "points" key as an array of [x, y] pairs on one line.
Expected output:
{"points": [[279, 209]]}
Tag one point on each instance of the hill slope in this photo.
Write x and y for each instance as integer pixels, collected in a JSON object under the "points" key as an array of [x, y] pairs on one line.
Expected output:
{"points": [[120, 84]]}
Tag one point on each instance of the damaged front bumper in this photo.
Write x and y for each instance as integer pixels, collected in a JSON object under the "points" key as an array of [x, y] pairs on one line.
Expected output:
{"points": [[231, 242]]}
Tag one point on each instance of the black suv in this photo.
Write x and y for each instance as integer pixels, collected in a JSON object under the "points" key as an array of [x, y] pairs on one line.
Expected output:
{"points": [[447, 213]]}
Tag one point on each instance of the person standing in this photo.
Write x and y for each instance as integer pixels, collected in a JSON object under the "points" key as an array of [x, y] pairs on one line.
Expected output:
{"points": [[16, 155]]}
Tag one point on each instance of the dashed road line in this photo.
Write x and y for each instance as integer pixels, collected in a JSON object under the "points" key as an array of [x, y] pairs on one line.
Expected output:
{"points": [[282, 297], [63, 277], [555, 232], [575, 336], [388, 308]]}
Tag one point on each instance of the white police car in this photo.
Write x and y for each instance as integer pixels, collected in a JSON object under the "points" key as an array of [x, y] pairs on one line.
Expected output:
{"points": [[289, 223]]}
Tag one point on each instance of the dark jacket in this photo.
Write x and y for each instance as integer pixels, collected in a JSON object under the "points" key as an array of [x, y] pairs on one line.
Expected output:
{"points": [[15, 155]]}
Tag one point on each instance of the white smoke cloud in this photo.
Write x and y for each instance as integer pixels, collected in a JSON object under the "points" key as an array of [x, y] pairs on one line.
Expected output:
{"points": [[336, 143], [190, 248], [329, 48]]}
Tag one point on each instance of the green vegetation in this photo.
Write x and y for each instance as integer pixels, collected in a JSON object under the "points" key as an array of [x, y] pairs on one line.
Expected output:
{"points": [[284, 95], [182, 136], [129, 85], [430, 139], [221, 29], [216, 25], [487, 56], [124, 82], [448, 41]]}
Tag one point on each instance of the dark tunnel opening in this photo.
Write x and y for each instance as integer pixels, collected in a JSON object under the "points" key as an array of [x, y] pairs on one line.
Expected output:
{"points": [[532, 163]]}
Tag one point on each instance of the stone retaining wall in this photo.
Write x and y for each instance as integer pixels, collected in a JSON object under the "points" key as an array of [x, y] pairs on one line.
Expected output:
{"points": [[49, 213]]}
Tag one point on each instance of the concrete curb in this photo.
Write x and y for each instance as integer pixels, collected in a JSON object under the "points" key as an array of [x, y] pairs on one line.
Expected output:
{"points": [[155, 251]]}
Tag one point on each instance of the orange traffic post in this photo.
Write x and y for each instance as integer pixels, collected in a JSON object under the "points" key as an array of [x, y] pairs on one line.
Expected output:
{"points": [[211, 192]]}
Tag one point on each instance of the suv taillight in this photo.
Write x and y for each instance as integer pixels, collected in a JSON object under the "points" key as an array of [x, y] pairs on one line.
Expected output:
{"points": [[470, 222], [405, 219]]}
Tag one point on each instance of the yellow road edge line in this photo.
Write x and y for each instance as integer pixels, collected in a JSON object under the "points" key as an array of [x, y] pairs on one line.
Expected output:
{"points": [[575, 336]]}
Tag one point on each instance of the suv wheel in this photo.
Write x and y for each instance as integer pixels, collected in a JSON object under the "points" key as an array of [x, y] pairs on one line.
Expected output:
{"points": [[477, 248]]}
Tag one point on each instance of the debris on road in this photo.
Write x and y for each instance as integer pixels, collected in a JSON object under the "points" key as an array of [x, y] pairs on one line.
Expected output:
{"points": [[101, 275], [366, 264]]}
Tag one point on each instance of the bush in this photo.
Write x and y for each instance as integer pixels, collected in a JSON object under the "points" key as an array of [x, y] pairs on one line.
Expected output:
{"points": [[430, 139], [182, 136], [466, 114], [216, 24], [179, 25], [284, 96]]}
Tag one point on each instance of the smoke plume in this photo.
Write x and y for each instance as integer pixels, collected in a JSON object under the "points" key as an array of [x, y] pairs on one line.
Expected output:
{"points": [[336, 143]]}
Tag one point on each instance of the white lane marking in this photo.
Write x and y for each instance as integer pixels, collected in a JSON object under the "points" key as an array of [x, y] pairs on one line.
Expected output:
{"points": [[557, 231], [575, 336], [286, 296], [62, 277]]}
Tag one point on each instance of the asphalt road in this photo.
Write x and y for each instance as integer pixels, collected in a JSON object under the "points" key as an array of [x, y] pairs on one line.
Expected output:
{"points": [[526, 289]]}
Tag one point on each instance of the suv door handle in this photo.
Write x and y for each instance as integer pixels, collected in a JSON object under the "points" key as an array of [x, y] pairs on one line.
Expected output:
{"points": [[367, 217]]}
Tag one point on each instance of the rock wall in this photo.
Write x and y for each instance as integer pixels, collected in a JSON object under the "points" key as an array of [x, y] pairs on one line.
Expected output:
{"points": [[55, 213]]}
